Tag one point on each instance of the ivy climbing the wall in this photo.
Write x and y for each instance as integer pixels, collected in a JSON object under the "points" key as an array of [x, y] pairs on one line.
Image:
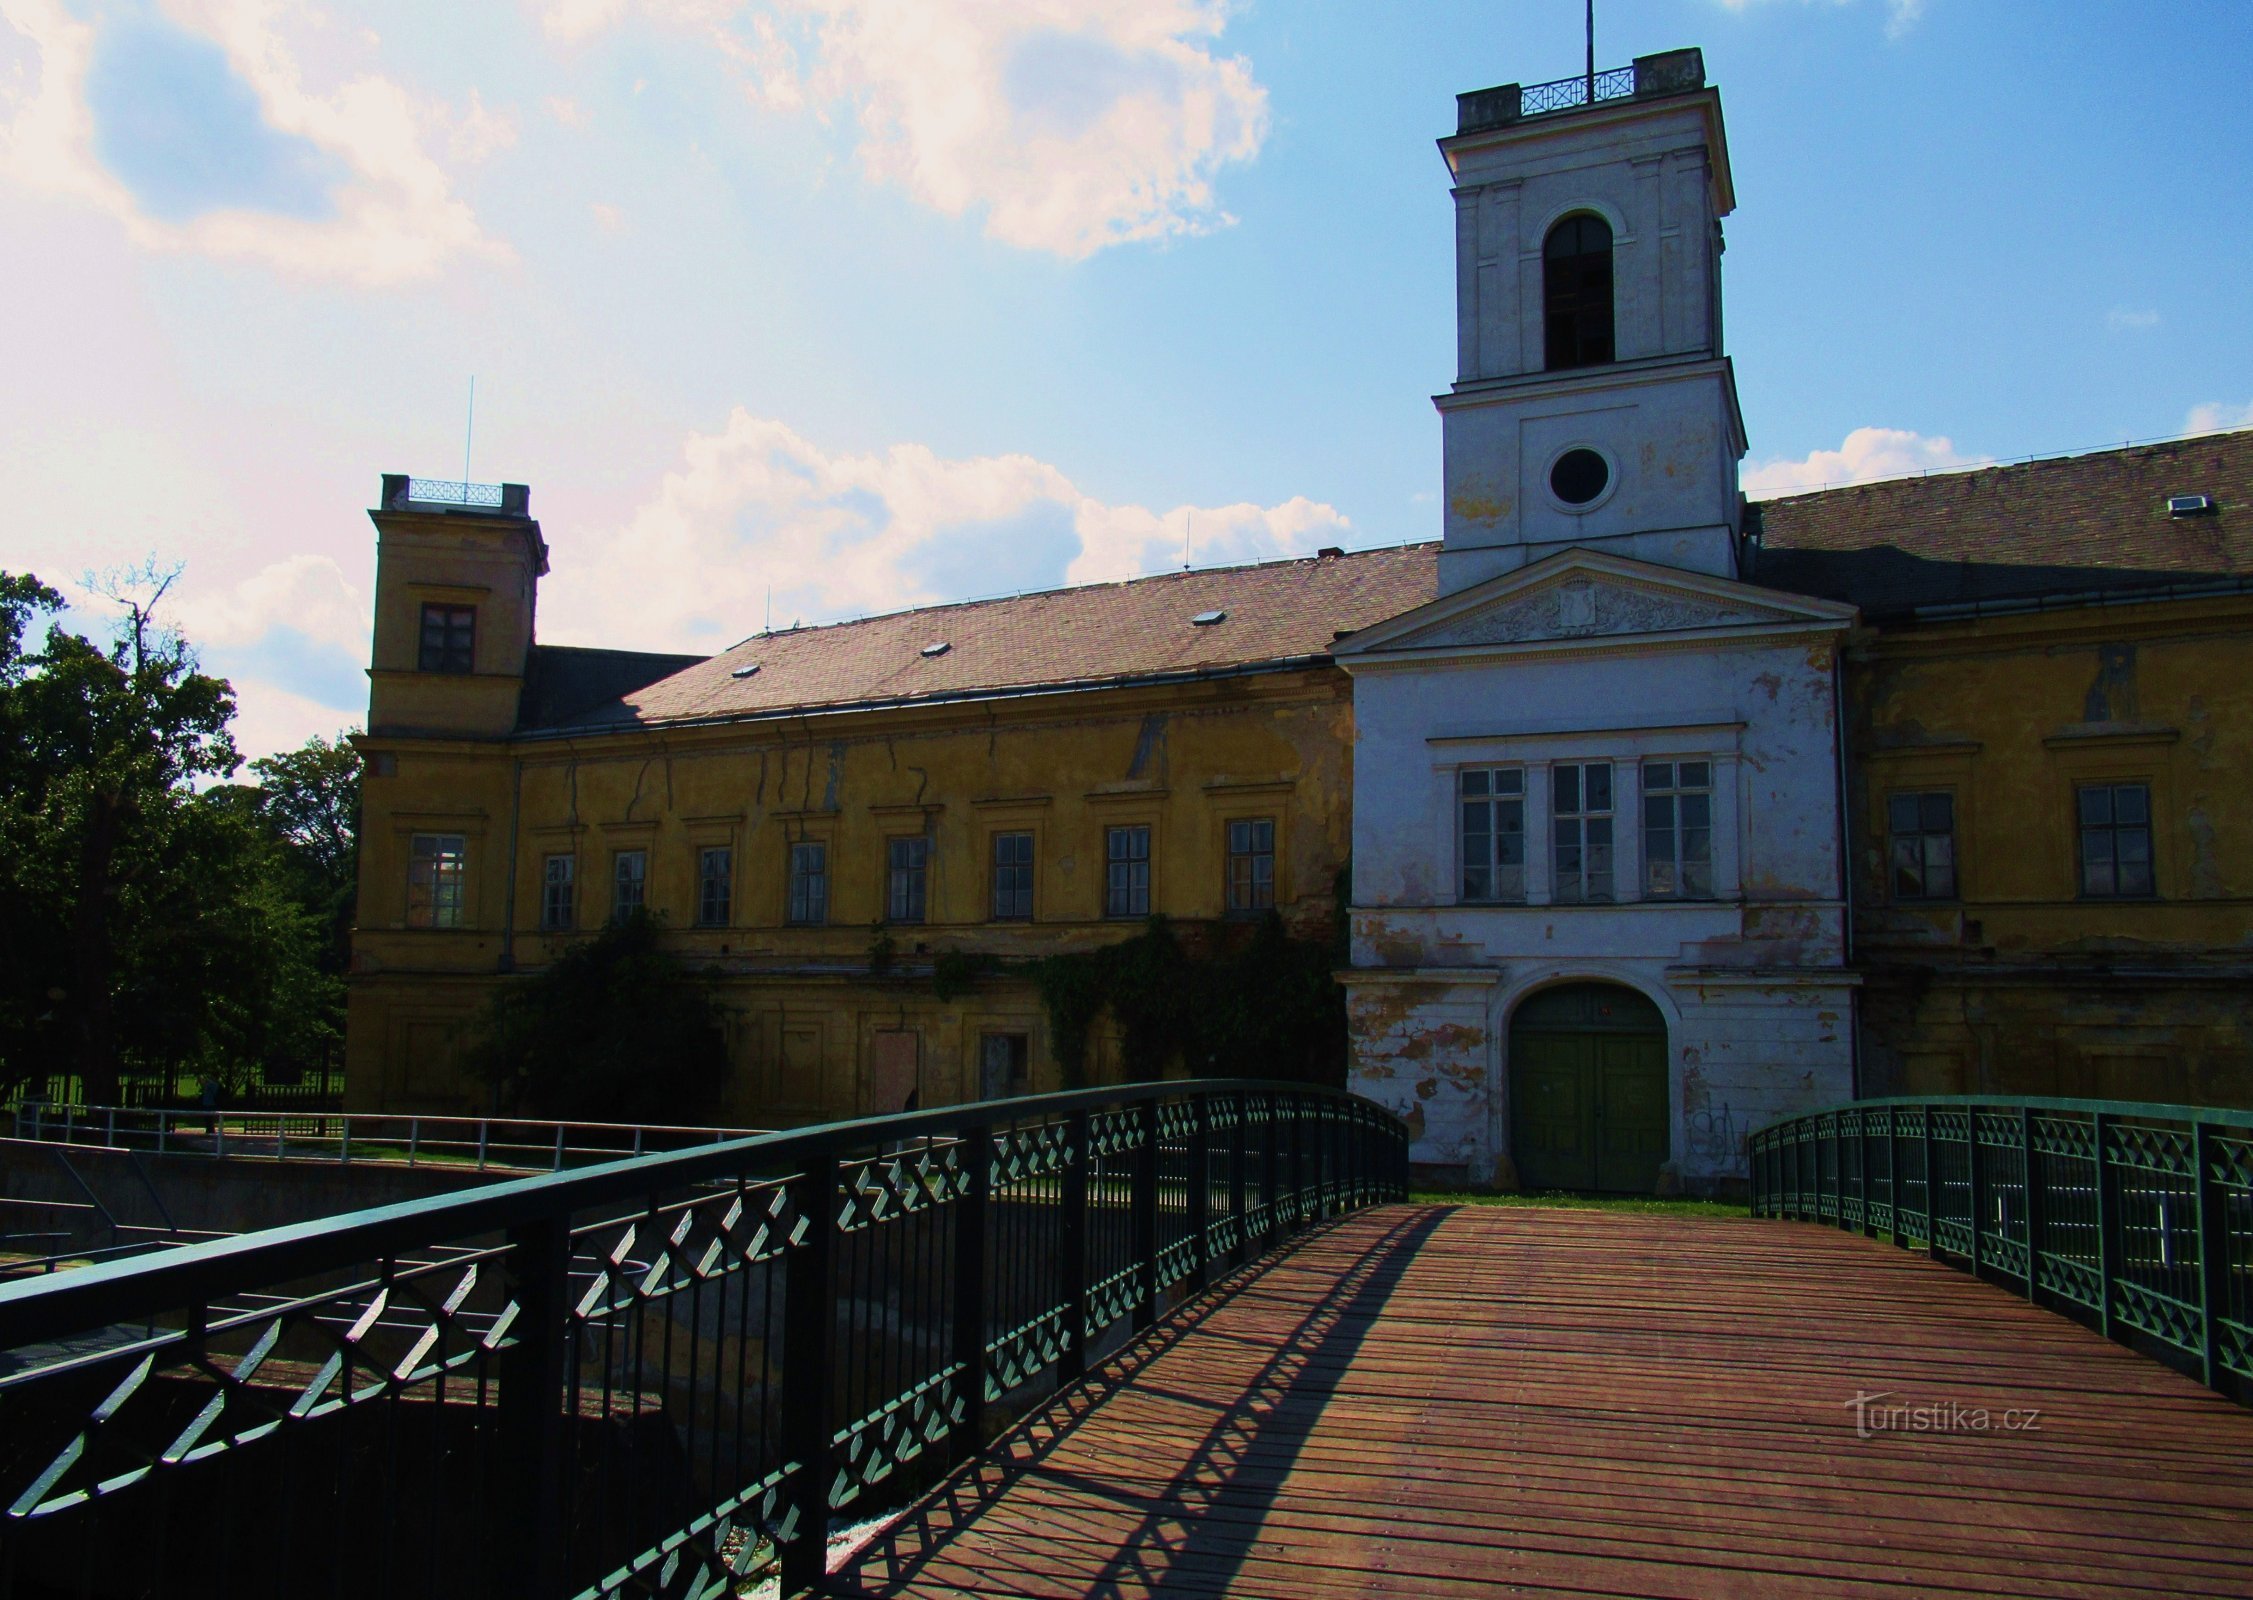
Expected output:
{"points": [[1265, 1007]]}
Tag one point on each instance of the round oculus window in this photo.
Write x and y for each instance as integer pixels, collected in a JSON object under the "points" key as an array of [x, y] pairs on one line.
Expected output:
{"points": [[1579, 476]]}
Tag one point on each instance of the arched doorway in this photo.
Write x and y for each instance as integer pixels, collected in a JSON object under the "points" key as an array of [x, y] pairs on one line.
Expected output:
{"points": [[1588, 1101]]}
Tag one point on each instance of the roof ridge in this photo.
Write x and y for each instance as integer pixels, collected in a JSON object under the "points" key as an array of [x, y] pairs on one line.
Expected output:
{"points": [[976, 601], [2144, 447]]}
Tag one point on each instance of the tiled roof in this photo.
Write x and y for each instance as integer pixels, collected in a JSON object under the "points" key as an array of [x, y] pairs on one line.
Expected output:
{"points": [[1099, 633], [2070, 525], [565, 681]]}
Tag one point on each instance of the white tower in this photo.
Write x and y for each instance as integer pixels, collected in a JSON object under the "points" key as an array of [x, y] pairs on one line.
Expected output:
{"points": [[1592, 405]]}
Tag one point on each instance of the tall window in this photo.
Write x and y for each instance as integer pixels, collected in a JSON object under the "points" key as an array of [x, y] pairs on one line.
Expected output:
{"points": [[1126, 889], [449, 638], [1013, 877], [715, 886], [629, 882], [1576, 281], [1678, 829], [1251, 864], [1921, 845], [809, 882], [559, 887], [437, 876], [2115, 840], [1493, 838], [1581, 803], [910, 864]]}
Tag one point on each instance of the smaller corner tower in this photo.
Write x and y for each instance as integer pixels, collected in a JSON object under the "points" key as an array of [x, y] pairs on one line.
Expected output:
{"points": [[458, 567], [1593, 404]]}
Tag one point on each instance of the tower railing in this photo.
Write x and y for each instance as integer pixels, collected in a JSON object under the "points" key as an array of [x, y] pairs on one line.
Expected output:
{"points": [[2136, 1218], [654, 1376]]}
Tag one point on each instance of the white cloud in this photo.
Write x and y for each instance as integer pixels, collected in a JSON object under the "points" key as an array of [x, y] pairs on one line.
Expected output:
{"points": [[2131, 319], [270, 718], [607, 217], [1900, 15], [567, 111], [1070, 125], [757, 509], [306, 594], [2215, 417], [392, 215], [1866, 455]]}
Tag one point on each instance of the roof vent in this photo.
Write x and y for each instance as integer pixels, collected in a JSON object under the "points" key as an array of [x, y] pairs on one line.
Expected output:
{"points": [[1205, 619], [748, 669], [937, 647], [2189, 505], [1330, 552]]}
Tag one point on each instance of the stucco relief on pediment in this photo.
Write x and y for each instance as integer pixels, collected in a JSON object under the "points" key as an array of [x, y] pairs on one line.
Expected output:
{"points": [[1582, 608]]}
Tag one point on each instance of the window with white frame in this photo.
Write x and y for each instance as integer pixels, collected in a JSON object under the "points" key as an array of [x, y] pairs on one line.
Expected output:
{"points": [[558, 890], [1251, 864], [1581, 831], [906, 885], [629, 882], [1126, 887], [809, 882], [1678, 830], [715, 886], [1492, 812]]}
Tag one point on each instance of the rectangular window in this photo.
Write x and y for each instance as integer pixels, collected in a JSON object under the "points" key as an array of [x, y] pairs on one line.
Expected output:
{"points": [[1126, 889], [1251, 864], [1013, 877], [910, 863], [809, 882], [1004, 1065], [1920, 845], [1678, 830], [437, 876], [1492, 809], [1581, 813], [449, 638], [2115, 841], [559, 891], [715, 886], [629, 882]]}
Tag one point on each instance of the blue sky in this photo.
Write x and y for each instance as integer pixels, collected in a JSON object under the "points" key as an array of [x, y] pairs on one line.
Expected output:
{"points": [[862, 303]]}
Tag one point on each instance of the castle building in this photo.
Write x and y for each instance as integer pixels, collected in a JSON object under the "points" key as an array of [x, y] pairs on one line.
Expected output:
{"points": [[1649, 814]]}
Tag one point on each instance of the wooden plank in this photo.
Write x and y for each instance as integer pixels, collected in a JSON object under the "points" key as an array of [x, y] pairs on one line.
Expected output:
{"points": [[1453, 1401]]}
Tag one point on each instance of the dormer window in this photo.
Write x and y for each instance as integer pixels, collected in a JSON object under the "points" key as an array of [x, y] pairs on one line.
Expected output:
{"points": [[1576, 276], [449, 638]]}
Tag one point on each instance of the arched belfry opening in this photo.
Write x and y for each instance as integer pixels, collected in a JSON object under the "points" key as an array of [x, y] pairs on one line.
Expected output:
{"points": [[1588, 1089], [1576, 280]]}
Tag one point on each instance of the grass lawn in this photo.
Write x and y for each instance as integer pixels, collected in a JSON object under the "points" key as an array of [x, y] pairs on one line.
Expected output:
{"points": [[1655, 1205]]}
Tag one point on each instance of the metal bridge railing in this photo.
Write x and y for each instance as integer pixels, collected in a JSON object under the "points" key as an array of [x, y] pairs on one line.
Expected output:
{"points": [[514, 1143], [2137, 1217], [649, 1377]]}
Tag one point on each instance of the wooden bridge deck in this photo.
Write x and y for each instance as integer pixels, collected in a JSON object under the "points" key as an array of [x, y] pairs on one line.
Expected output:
{"points": [[1455, 1402]]}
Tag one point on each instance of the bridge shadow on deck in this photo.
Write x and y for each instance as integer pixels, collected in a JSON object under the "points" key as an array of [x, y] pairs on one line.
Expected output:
{"points": [[1205, 1514], [1458, 1402]]}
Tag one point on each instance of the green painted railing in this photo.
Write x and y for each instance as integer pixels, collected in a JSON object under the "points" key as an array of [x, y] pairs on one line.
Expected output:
{"points": [[2138, 1218]]}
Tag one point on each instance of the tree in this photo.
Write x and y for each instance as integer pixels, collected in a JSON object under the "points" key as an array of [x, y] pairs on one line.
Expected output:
{"points": [[613, 1030]]}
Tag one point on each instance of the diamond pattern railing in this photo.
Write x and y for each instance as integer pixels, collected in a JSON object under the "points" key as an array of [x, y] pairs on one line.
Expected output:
{"points": [[2136, 1218], [654, 1377]]}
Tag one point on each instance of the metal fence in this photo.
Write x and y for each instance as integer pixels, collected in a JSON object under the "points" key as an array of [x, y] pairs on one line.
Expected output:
{"points": [[2139, 1218], [515, 1143], [649, 1377]]}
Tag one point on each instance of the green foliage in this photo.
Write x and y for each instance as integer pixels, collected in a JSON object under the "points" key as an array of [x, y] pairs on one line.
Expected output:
{"points": [[954, 973], [1267, 1008], [613, 1030], [149, 920]]}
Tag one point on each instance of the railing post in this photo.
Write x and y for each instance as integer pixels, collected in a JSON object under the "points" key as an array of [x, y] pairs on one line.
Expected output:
{"points": [[1237, 1142], [1271, 1171], [1072, 1244], [344, 1141], [535, 1457], [484, 1130], [2036, 1212], [1145, 1214], [559, 1131], [965, 1437], [2213, 1254], [1931, 1186], [2108, 1222], [1893, 1176], [1862, 1172], [1976, 1166], [414, 1138], [1200, 1191], [809, 1326]]}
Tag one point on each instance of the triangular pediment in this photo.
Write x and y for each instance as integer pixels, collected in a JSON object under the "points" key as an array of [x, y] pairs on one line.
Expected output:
{"points": [[1583, 595]]}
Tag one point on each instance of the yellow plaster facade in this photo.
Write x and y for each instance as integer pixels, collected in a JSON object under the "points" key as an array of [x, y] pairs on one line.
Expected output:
{"points": [[2027, 978]]}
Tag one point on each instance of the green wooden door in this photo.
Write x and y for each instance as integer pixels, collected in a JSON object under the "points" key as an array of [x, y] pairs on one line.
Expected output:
{"points": [[1588, 1102]]}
